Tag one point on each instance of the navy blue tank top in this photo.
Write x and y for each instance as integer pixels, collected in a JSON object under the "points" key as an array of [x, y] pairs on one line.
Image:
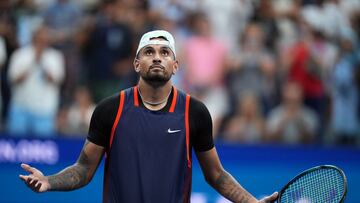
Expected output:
{"points": [[149, 159]]}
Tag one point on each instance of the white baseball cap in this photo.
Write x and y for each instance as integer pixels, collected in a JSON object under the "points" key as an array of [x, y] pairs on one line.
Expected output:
{"points": [[148, 39]]}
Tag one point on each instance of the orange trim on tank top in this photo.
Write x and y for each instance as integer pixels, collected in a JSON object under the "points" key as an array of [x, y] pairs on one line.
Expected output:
{"points": [[136, 97], [187, 130], [118, 115], [173, 103]]}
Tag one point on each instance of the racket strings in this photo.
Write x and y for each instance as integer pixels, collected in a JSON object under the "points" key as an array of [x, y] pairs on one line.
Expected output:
{"points": [[319, 186]]}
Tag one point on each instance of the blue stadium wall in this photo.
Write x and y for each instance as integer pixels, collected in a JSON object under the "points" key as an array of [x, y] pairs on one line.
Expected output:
{"points": [[261, 169]]}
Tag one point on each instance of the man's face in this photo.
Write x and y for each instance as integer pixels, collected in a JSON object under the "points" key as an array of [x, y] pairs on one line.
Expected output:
{"points": [[41, 37], [156, 64], [292, 94]]}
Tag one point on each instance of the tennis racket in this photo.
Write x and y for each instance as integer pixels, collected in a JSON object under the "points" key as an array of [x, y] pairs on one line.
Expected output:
{"points": [[321, 184]]}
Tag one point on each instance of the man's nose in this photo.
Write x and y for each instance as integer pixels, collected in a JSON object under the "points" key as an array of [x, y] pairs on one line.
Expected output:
{"points": [[156, 58]]}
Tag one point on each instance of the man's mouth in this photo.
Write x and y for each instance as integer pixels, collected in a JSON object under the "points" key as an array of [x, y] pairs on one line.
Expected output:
{"points": [[156, 66]]}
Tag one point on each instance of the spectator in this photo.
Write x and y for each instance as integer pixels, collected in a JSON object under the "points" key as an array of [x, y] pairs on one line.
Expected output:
{"points": [[77, 118], [287, 15], [108, 51], [326, 16], [28, 19], [291, 122], [35, 73], [309, 62], [64, 19], [254, 68], [247, 125], [227, 20], [345, 95], [205, 68], [265, 16]]}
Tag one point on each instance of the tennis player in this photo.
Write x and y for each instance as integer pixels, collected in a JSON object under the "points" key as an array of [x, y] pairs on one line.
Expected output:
{"points": [[147, 133]]}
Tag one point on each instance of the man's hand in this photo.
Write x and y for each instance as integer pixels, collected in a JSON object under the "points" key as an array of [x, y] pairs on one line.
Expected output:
{"points": [[35, 180], [270, 198], [70, 178]]}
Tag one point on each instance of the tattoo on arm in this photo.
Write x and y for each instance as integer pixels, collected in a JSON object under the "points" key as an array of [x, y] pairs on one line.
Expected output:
{"points": [[231, 189], [74, 176]]}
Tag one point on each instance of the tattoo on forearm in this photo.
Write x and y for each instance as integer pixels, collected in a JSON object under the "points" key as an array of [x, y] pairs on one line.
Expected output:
{"points": [[72, 177], [231, 189]]}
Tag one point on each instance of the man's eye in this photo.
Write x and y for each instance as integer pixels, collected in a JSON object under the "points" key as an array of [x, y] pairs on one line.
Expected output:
{"points": [[148, 52], [165, 53]]}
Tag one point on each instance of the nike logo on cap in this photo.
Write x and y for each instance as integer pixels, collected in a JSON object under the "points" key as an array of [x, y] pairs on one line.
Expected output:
{"points": [[173, 131]]}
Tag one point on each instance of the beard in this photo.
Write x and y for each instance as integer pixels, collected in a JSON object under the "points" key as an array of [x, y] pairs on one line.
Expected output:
{"points": [[155, 78]]}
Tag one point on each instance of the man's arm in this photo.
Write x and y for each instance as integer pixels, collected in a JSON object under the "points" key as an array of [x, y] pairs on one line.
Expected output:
{"points": [[222, 181], [72, 177]]}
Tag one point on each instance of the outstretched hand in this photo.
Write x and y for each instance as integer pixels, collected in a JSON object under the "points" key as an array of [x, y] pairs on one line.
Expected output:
{"points": [[35, 180], [270, 198]]}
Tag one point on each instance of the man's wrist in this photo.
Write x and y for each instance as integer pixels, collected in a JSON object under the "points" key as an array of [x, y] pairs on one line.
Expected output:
{"points": [[47, 178]]}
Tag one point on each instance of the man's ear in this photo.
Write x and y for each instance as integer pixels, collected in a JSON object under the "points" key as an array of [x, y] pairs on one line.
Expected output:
{"points": [[175, 67], [136, 65]]}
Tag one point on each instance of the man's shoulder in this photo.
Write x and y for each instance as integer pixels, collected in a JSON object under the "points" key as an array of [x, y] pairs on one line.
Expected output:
{"points": [[109, 102], [193, 100], [23, 51], [114, 99], [197, 107]]}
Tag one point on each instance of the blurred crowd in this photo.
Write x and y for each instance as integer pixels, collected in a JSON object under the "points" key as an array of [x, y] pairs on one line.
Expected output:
{"points": [[277, 71]]}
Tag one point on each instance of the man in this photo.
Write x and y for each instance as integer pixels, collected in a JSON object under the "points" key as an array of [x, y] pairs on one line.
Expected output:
{"points": [[147, 133], [292, 122], [36, 73]]}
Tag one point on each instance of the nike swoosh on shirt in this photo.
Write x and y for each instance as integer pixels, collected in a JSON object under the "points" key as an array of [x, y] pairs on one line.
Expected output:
{"points": [[173, 131]]}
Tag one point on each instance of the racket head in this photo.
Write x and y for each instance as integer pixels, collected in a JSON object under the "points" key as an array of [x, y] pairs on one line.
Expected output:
{"points": [[325, 184]]}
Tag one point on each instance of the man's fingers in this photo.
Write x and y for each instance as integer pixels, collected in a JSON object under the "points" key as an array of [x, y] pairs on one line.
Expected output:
{"points": [[33, 183], [27, 168], [23, 178], [28, 180], [38, 186], [270, 198], [274, 195]]}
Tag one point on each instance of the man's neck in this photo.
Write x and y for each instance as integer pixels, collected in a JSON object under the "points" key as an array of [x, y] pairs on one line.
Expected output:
{"points": [[152, 94]]}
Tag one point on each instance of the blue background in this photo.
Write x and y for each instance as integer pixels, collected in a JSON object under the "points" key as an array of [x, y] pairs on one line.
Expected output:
{"points": [[261, 169]]}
